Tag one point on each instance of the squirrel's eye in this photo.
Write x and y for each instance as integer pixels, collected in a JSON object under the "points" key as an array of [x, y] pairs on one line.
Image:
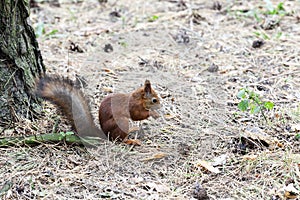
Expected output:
{"points": [[154, 100]]}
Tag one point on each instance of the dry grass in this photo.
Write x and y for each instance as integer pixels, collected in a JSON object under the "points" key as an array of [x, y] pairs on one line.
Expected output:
{"points": [[201, 120]]}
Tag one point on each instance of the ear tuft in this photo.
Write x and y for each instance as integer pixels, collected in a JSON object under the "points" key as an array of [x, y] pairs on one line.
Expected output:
{"points": [[147, 87]]}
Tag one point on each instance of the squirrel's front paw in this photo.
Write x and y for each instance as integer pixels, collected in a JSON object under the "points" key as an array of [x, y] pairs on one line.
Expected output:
{"points": [[154, 114]]}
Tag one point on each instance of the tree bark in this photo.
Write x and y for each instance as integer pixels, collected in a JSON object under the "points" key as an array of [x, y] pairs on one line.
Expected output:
{"points": [[20, 63]]}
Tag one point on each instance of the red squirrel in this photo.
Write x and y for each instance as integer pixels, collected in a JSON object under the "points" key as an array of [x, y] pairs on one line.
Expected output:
{"points": [[114, 112]]}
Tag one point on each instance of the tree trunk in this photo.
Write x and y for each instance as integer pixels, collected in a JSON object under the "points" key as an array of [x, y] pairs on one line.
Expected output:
{"points": [[20, 63]]}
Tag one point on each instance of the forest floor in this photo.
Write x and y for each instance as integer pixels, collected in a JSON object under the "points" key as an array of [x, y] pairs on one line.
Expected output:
{"points": [[198, 56]]}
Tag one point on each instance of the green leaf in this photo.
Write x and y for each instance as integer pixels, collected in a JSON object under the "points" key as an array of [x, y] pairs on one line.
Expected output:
{"points": [[53, 32], [255, 109], [278, 35], [62, 134], [243, 105], [257, 33], [252, 95], [123, 44], [153, 18], [272, 12], [297, 136], [70, 133], [241, 94], [258, 19], [255, 97], [269, 105], [280, 6], [265, 36]]}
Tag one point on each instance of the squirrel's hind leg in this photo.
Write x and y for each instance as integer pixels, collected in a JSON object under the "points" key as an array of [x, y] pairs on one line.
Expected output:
{"points": [[118, 129], [123, 136]]}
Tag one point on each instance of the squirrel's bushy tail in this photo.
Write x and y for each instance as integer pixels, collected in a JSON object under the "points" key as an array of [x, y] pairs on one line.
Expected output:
{"points": [[69, 98]]}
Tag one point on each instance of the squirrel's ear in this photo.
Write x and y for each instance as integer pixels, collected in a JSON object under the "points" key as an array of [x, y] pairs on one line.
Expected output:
{"points": [[147, 87]]}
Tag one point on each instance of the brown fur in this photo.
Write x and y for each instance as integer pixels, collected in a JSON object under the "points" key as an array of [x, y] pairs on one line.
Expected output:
{"points": [[71, 101], [114, 111]]}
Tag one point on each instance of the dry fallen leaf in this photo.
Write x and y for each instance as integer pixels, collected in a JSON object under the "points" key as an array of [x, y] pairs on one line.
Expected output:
{"points": [[169, 116], [208, 166], [155, 156], [249, 157], [108, 70], [107, 89], [290, 192], [220, 160], [262, 138]]}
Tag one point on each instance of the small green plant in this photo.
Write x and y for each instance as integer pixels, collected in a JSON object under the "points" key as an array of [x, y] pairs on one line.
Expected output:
{"points": [[259, 14], [153, 18], [262, 35], [51, 33], [252, 102], [124, 23], [123, 43], [40, 30], [275, 10], [278, 35], [257, 17]]}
